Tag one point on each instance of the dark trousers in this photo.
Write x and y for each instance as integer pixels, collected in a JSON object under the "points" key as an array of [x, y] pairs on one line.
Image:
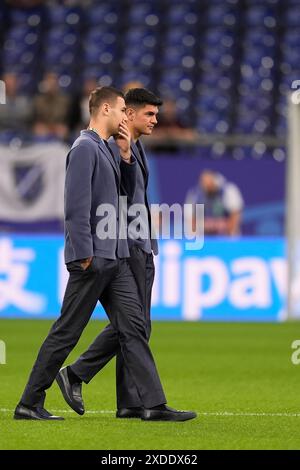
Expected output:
{"points": [[112, 283], [106, 345]]}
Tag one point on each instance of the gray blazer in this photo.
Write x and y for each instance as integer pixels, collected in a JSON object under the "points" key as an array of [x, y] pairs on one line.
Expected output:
{"points": [[93, 177]]}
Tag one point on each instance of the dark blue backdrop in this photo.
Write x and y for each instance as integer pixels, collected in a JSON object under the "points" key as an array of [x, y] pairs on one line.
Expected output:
{"points": [[262, 183]]}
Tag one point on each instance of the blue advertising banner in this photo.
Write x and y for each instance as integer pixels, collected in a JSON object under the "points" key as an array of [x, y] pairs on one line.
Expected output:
{"points": [[261, 182], [228, 280]]}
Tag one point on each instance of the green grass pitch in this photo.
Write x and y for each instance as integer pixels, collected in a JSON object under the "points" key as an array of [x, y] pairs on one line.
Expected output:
{"points": [[238, 377]]}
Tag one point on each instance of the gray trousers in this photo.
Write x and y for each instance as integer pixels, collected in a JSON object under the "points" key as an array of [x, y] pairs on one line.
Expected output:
{"points": [[111, 282], [106, 345]]}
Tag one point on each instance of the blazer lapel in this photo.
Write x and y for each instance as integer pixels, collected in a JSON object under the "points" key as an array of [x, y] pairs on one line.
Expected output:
{"points": [[144, 158], [109, 157], [140, 156]]}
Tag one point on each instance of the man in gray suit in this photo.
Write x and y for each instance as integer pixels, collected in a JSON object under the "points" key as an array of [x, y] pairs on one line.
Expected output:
{"points": [[142, 109], [97, 263]]}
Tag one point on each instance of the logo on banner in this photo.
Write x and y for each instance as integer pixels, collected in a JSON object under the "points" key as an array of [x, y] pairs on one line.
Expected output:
{"points": [[29, 181], [14, 274]]}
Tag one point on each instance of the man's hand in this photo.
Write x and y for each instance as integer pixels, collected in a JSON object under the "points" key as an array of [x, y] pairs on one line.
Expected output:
{"points": [[86, 262], [122, 140]]}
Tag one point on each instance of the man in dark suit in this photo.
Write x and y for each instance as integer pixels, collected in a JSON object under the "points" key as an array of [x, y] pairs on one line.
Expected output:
{"points": [[96, 260], [142, 109]]}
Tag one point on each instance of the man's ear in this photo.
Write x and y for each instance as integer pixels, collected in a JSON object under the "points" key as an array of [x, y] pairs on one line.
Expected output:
{"points": [[130, 113], [105, 108]]}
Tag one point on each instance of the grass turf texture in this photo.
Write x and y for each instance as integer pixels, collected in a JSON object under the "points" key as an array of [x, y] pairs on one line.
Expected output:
{"points": [[238, 377]]}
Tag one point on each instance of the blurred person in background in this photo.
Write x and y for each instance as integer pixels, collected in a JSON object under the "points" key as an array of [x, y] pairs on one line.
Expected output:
{"points": [[171, 133], [51, 109], [79, 110], [89, 85], [223, 204], [16, 114]]}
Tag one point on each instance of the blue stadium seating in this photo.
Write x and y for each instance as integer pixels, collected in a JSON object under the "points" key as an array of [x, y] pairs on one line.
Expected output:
{"points": [[228, 63]]}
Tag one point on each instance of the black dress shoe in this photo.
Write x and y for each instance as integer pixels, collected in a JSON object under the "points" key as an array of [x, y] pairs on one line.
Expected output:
{"points": [[71, 392], [23, 412], [130, 412], [165, 413]]}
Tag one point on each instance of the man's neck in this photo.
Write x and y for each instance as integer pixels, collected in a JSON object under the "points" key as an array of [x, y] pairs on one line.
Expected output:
{"points": [[99, 130]]}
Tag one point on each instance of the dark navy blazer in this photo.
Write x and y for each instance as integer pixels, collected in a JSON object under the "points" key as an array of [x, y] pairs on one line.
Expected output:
{"points": [[140, 197]]}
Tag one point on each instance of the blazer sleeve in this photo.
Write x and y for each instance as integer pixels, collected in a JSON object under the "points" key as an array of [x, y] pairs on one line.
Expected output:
{"points": [[78, 199]]}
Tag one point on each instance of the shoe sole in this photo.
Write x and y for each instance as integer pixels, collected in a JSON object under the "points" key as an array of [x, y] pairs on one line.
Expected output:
{"points": [[158, 417], [25, 417], [129, 417], [18, 417], [60, 383]]}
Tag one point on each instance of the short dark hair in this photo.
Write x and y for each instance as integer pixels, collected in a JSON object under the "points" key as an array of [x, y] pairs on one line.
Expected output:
{"points": [[101, 95], [141, 97]]}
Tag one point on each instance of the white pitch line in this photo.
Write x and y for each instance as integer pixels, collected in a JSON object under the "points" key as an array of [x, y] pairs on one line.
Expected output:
{"points": [[229, 413], [203, 413]]}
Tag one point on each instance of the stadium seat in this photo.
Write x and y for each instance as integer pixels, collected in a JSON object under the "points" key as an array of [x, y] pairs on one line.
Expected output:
{"points": [[64, 15], [217, 55]]}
